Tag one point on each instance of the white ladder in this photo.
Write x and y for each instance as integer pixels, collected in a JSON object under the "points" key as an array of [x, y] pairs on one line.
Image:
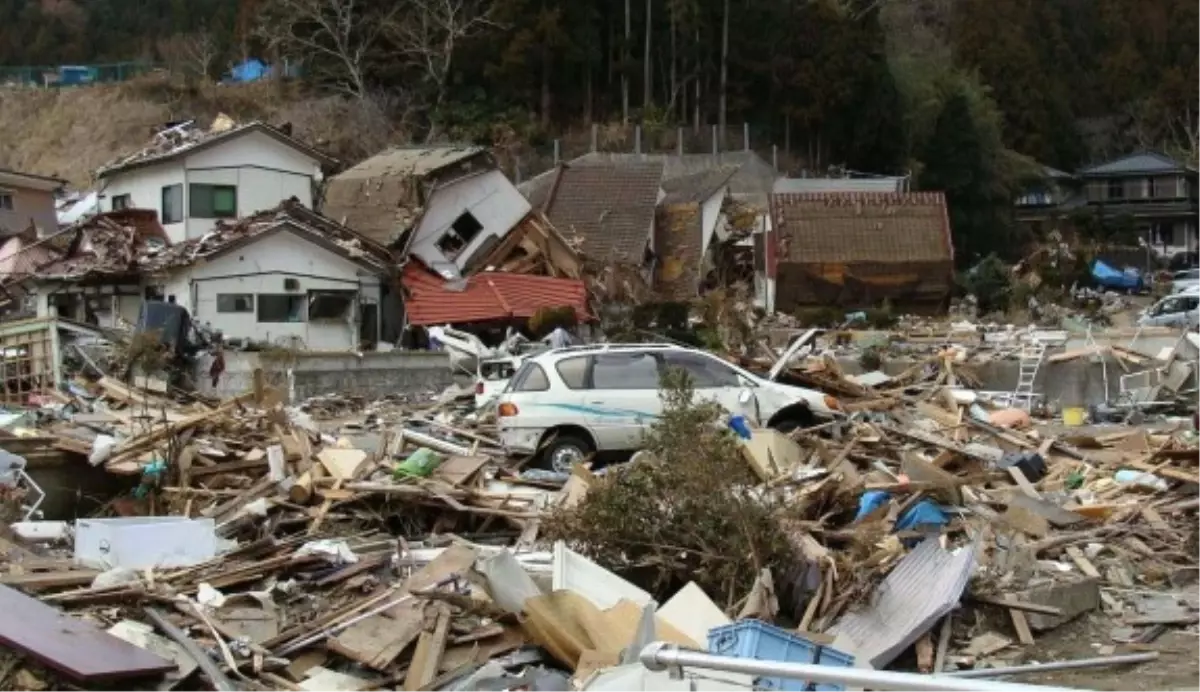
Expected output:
{"points": [[1031, 355]]}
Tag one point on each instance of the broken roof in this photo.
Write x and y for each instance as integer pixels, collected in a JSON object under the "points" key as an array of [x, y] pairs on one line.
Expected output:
{"points": [[30, 180], [697, 187], [863, 227], [187, 137], [381, 197], [486, 296], [608, 207]]}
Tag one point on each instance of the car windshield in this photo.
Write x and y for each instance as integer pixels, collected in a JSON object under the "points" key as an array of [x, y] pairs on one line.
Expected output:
{"points": [[1187, 274]]}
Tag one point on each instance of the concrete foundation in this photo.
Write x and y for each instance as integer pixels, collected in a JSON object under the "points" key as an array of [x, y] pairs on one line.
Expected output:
{"points": [[370, 375]]}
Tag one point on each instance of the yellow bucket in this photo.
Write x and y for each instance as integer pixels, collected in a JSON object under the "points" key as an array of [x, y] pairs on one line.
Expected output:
{"points": [[1074, 416]]}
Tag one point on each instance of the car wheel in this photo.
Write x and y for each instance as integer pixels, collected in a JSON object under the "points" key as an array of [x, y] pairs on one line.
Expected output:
{"points": [[562, 452]]}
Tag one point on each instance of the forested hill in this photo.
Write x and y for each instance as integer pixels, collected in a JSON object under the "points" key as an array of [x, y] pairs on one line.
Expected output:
{"points": [[944, 88]]}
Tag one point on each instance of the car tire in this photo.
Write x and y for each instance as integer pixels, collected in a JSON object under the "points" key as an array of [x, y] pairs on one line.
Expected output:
{"points": [[562, 451]]}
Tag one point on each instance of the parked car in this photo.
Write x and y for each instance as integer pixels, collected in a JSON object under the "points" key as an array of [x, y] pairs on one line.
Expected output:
{"points": [[493, 377], [1176, 310], [1182, 280], [571, 402]]}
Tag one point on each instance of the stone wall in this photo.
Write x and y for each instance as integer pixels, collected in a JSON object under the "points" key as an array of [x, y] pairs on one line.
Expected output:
{"points": [[370, 374]]}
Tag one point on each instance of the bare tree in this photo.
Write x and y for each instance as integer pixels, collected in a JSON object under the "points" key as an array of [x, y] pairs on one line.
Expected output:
{"points": [[428, 32], [191, 54], [341, 36]]}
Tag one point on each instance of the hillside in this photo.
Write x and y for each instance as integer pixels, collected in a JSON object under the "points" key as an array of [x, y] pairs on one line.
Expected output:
{"points": [[70, 132]]}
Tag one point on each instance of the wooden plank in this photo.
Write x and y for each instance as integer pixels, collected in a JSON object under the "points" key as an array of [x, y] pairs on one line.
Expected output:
{"points": [[1021, 625], [74, 647], [428, 656], [455, 470], [1014, 604], [36, 581], [1082, 562]]}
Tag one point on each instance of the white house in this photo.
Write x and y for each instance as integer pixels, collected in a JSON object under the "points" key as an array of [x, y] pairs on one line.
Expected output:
{"points": [[286, 276], [445, 205], [193, 178]]}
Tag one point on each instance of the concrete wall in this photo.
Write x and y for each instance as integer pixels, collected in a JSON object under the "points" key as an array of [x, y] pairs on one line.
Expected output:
{"points": [[144, 186], [372, 375], [29, 205]]}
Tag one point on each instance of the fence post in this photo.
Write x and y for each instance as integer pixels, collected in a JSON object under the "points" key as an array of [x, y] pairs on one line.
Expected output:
{"points": [[595, 137], [637, 139], [556, 152], [716, 148], [746, 136], [679, 141], [775, 157]]}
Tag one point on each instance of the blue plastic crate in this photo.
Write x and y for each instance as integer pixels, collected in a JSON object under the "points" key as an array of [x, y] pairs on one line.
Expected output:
{"points": [[763, 642], [832, 657]]}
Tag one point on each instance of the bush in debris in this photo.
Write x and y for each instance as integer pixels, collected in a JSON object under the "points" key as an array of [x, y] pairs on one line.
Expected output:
{"points": [[990, 282], [685, 514], [881, 317]]}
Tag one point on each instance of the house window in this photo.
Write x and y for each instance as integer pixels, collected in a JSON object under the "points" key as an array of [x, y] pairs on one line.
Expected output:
{"points": [[331, 305], [235, 302], [461, 233], [6, 201], [120, 202], [172, 203], [212, 201], [281, 307], [1116, 189]]}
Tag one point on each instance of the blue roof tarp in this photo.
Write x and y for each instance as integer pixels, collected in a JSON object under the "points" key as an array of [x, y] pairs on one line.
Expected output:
{"points": [[1106, 276], [250, 70]]}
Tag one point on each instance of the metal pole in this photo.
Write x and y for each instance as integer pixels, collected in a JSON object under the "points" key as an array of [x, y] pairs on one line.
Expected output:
{"points": [[595, 137], [637, 139], [1099, 662], [663, 656], [679, 141], [556, 151], [716, 149], [775, 157], [746, 136]]}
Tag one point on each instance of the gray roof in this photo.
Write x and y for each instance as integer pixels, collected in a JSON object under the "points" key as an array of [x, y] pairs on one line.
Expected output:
{"points": [[609, 207], [410, 161], [697, 187], [1139, 162], [802, 185]]}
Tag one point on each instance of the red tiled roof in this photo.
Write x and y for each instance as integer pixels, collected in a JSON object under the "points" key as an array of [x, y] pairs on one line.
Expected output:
{"points": [[486, 296]]}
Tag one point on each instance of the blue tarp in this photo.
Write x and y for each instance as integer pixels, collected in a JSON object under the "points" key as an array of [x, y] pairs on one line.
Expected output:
{"points": [[1106, 276], [250, 70]]}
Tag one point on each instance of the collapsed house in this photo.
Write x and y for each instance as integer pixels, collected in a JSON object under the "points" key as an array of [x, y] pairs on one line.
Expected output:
{"points": [[857, 249], [689, 228], [287, 276]]}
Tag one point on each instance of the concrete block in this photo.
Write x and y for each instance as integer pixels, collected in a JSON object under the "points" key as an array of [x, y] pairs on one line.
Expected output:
{"points": [[1074, 598]]}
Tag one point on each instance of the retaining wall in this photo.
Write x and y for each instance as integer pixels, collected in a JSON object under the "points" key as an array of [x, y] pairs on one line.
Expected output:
{"points": [[371, 374]]}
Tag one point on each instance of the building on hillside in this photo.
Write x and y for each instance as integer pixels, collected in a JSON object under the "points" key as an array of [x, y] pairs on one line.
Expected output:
{"points": [[27, 204], [1046, 202], [605, 209], [856, 249], [1156, 191], [194, 178], [449, 206], [286, 276], [690, 228]]}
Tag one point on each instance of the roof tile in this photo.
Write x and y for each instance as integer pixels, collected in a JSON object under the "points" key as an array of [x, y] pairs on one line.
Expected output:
{"points": [[862, 227], [609, 207], [485, 296]]}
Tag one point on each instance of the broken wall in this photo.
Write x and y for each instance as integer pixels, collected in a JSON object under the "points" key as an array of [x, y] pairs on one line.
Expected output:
{"points": [[912, 286], [370, 374]]}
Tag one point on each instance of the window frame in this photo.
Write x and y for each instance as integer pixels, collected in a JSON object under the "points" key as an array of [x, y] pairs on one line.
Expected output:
{"points": [[126, 202], [520, 385], [198, 192], [655, 357], [585, 384], [351, 298], [222, 311], [452, 242], [1120, 186], [12, 200], [178, 216], [258, 306]]}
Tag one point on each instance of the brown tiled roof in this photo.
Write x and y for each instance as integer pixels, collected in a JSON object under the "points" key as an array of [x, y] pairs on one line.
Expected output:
{"points": [[862, 227], [697, 187], [608, 207], [678, 241]]}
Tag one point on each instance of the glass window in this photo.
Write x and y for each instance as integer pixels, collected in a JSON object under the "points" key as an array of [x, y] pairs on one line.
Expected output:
{"points": [[461, 233], [212, 201], [531, 378], [281, 308], [120, 202], [625, 371], [172, 203], [704, 371], [573, 371], [6, 201], [331, 305], [235, 302]]}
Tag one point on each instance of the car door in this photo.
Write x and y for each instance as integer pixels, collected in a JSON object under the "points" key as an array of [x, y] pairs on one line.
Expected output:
{"points": [[622, 398], [713, 380]]}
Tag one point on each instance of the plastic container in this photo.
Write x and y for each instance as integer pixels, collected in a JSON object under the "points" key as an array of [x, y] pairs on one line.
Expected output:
{"points": [[1074, 415], [762, 642], [832, 657], [1142, 479]]}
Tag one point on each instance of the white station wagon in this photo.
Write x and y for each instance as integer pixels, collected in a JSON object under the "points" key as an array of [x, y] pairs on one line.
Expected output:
{"points": [[571, 402]]}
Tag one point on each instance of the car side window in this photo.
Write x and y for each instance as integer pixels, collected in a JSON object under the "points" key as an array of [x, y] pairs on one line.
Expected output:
{"points": [[705, 372], [1169, 307], [573, 371], [624, 371], [531, 378], [1191, 303]]}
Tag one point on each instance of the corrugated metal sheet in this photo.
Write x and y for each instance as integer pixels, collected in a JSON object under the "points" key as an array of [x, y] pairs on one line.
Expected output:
{"points": [[800, 185], [923, 587], [486, 296]]}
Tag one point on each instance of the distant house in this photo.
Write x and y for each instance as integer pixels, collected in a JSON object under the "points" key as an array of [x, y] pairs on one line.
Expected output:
{"points": [[27, 202], [689, 229], [446, 205], [855, 249], [1048, 200], [192, 178], [606, 209], [286, 276], [1159, 193]]}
